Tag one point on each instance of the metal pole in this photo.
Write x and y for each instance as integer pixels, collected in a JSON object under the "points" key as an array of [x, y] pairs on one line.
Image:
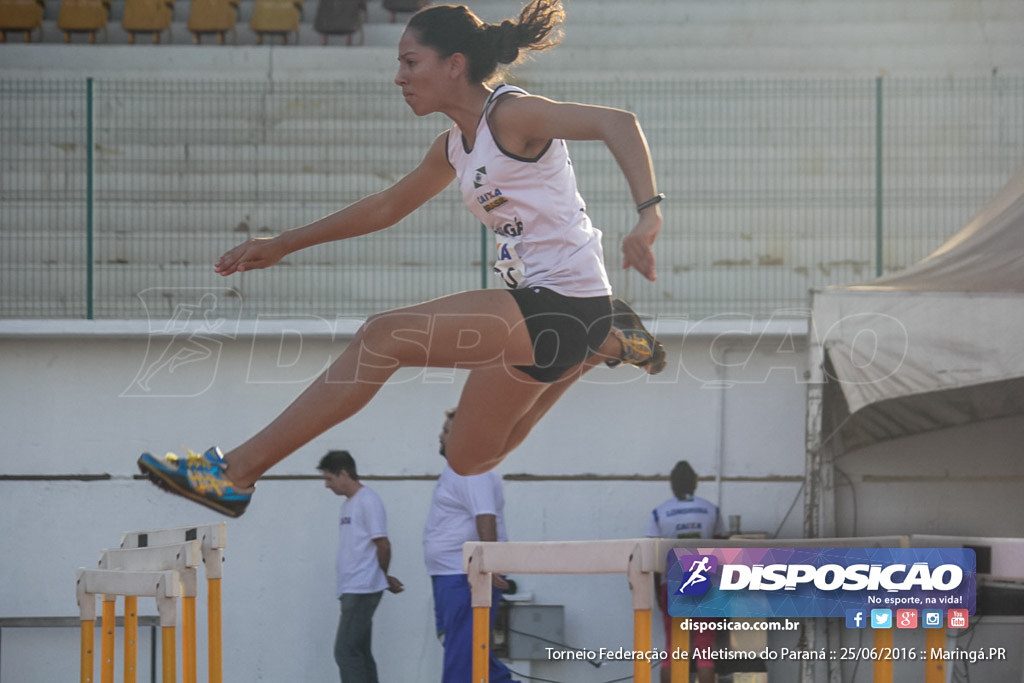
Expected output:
{"points": [[131, 638], [878, 177], [107, 639], [168, 654], [88, 199], [679, 672], [214, 636], [882, 668]]}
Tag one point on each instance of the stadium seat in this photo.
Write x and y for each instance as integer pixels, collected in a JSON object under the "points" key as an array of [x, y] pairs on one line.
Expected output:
{"points": [[83, 16], [395, 6], [21, 15], [276, 18], [212, 16], [147, 16], [340, 18]]}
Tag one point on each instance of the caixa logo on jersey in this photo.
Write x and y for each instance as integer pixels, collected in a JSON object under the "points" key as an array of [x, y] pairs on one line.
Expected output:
{"points": [[816, 582]]}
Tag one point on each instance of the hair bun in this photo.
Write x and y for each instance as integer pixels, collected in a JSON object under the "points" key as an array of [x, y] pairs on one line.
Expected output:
{"points": [[506, 41]]}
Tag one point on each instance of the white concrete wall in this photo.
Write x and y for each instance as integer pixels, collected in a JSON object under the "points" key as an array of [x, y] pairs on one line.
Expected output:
{"points": [[72, 405]]}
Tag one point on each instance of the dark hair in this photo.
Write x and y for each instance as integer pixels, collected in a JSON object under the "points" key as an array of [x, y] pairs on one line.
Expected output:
{"points": [[683, 479], [451, 29], [337, 462]]}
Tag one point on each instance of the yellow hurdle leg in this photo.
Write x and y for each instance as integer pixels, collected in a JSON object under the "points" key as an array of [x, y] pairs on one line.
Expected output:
{"points": [[168, 655], [883, 667], [88, 643], [131, 638], [481, 644], [641, 643], [188, 639], [935, 669], [213, 620], [680, 669], [107, 640]]}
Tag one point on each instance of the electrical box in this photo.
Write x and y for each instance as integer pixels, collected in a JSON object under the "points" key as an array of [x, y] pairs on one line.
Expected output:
{"points": [[533, 628]]}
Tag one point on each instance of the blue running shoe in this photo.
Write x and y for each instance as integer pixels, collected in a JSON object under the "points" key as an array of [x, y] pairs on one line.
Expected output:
{"points": [[639, 347], [199, 478]]}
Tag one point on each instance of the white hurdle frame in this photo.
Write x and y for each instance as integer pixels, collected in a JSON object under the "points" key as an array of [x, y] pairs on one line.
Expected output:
{"points": [[212, 539], [162, 564], [640, 559], [183, 558], [164, 586]]}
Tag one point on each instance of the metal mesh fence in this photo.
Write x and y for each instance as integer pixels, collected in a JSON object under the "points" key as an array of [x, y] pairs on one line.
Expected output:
{"points": [[116, 197]]}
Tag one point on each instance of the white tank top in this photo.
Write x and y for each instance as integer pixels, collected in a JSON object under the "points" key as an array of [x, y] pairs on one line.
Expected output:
{"points": [[544, 236]]}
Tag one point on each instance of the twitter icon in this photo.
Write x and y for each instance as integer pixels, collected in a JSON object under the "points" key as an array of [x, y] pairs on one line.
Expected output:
{"points": [[881, 618]]}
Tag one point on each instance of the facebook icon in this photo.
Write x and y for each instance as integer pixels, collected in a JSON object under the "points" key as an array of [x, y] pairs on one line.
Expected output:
{"points": [[855, 618]]}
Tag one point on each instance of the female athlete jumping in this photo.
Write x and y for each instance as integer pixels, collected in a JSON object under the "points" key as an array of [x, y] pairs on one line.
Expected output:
{"points": [[527, 344]]}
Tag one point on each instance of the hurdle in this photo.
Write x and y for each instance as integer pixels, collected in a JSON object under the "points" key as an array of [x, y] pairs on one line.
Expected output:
{"points": [[162, 564], [633, 557], [183, 559], [640, 559], [164, 586], [212, 539]]}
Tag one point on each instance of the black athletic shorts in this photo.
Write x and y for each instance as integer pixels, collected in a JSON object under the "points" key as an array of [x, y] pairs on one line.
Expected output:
{"points": [[565, 330]]}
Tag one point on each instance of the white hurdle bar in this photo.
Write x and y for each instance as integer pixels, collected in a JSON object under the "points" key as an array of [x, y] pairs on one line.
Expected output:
{"points": [[633, 557], [212, 539], [164, 586], [184, 558]]}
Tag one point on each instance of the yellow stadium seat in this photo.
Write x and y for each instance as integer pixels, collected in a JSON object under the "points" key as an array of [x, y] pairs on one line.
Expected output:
{"points": [[83, 16], [21, 15], [276, 17], [147, 16], [212, 16]]}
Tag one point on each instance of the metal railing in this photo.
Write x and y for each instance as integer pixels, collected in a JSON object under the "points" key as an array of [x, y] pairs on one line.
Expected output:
{"points": [[116, 197]]}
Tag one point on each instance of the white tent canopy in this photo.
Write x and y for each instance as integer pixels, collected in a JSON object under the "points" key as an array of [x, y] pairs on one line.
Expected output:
{"points": [[937, 345]]}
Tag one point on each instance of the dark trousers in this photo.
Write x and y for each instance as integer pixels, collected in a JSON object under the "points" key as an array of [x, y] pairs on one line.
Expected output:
{"points": [[352, 649]]}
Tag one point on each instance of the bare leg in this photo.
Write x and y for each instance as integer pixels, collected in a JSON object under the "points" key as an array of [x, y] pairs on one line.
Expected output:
{"points": [[480, 329], [476, 444], [611, 348]]}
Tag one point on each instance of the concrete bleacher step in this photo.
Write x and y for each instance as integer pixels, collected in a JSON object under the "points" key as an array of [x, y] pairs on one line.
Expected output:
{"points": [[233, 219], [816, 249]]}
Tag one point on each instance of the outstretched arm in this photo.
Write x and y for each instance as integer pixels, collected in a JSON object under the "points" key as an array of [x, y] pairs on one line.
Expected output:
{"points": [[370, 214], [525, 124]]}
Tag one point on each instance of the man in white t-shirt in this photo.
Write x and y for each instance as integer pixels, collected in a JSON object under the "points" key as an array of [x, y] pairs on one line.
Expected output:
{"points": [[364, 553], [462, 509], [684, 515]]}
